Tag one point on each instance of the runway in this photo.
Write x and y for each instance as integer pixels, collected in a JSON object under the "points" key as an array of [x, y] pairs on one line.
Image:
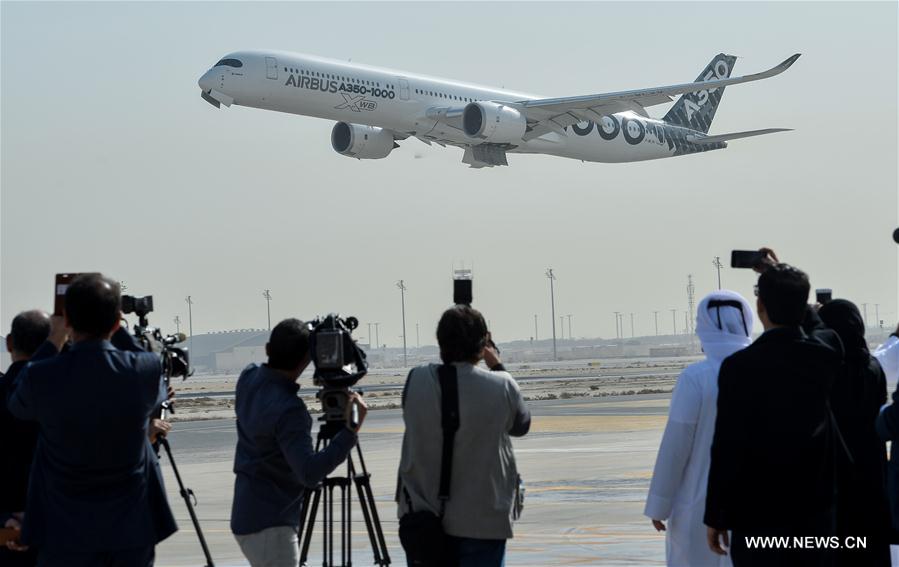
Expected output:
{"points": [[586, 466]]}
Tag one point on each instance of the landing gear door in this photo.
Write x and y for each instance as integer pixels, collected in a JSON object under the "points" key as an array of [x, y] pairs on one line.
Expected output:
{"points": [[271, 68], [404, 89]]}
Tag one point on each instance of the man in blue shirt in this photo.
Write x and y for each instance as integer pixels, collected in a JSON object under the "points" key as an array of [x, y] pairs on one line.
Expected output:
{"points": [[275, 461], [96, 495]]}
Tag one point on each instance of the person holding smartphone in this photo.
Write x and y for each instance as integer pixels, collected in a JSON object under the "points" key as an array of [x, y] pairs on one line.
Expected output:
{"points": [[275, 460]]}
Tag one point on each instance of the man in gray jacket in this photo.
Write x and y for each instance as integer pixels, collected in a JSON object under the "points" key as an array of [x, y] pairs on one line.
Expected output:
{"points": [[477, 516]]}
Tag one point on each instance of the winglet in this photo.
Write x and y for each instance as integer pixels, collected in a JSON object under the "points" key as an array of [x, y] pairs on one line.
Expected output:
{"points": [[789, 61]]}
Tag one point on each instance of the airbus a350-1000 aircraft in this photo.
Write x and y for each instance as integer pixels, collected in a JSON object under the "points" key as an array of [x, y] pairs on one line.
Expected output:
{"points": [[374, 108]]}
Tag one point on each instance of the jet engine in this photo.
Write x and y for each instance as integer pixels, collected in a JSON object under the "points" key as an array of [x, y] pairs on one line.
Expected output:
{"points": [[362, 142], [493, 122]]}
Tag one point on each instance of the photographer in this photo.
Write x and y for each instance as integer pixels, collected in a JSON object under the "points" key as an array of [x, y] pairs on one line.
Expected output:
{"points": [[773, 452], [477, 517], [275, 462], [33, 336], [96, 495]]}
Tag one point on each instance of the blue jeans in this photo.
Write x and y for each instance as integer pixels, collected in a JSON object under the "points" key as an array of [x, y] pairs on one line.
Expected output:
{"points": [[479, 552]]}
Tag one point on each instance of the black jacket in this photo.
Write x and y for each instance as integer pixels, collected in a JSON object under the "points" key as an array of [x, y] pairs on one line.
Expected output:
{"points": [[858, 394], [773, 451], [95, 484], [18, 438]]}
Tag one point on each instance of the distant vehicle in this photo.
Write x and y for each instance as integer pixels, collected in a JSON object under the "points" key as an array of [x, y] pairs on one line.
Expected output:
{"points": [[374, 108]]}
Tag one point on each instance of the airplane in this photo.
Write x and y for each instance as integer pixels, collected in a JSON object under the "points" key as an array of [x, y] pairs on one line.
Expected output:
{"points": [[375, 108]]}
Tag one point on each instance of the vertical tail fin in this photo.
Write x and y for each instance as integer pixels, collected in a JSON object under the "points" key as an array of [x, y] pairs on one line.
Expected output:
{"points": [[696, 110]]}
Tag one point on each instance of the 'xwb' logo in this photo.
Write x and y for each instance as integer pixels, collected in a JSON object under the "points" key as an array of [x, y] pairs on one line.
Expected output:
{"points": [[356, 103]]}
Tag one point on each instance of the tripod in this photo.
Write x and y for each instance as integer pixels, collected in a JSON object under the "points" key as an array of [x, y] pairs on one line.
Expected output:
{"points": [[323, 495], [186, 493]]}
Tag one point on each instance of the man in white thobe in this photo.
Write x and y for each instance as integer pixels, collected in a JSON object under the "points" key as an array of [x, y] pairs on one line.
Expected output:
{"points": [[678, 489]]}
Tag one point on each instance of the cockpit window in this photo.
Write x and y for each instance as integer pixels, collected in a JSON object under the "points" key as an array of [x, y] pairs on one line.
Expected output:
{"points": [[229, 63]]}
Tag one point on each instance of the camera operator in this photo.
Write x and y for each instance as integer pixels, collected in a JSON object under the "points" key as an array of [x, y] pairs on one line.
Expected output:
{"points": [[33, 336], [477, 517], [96, 495], [275, 462], [773, 453]]}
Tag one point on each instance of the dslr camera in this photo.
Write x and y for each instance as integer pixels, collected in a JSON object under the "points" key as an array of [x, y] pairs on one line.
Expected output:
{"points": [[175, 360], [339, 363]]}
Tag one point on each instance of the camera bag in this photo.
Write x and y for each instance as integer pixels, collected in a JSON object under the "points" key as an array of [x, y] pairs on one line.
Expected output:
{"points": [[421, 532]]}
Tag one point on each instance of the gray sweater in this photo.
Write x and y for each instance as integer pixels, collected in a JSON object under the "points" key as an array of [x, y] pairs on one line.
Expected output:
{"points": [[484, 476]]}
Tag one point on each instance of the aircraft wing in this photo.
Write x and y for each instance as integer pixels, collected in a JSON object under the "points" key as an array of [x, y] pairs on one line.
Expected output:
{"points": [[554, 114]]}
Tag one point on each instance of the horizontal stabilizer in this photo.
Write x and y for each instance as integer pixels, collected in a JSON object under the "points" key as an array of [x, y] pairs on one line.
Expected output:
{"points": [[699, 139]]}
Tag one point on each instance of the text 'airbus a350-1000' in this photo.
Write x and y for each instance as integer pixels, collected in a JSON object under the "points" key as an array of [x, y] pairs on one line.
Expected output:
{"points": [[375, 107]]}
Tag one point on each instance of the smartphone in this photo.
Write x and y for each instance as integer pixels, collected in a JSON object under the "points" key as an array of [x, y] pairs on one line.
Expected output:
{"points": [[62, 284], [823, 295], [462, 286], [745, 258]]}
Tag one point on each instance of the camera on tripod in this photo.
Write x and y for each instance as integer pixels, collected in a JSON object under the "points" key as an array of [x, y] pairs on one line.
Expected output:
{"points": [[339, 363], [175, 360]]}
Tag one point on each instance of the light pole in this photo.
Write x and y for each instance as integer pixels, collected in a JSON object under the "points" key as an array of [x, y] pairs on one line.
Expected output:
{"points": [[177, 321], [656, 314], [552, 303], [617, 334], [536, 334], [718, 265], [190, 323], [562, 326], [865, 313], [674, 321], [402, 288], [377, 336], [569, 326], [267, 294]]}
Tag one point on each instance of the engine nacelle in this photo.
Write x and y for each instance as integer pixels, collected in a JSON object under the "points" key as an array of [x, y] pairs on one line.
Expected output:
{"points": [[362, 142], [493, 122]]}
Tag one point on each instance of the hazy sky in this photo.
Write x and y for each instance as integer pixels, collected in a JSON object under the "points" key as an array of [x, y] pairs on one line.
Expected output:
{"points": [[111, 161]]}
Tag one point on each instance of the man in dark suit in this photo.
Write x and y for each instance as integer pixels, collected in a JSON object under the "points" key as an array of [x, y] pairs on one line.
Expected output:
{"points": [[774, 448], [96, 495], [27, 340]]}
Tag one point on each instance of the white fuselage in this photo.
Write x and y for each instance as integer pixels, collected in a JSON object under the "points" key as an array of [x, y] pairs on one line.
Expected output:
{"points": [[411, 105]]}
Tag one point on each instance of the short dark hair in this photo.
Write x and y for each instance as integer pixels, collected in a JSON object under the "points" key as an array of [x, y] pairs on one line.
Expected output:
{"points": [[93, 304], [461, 334], [783, 290], [288, 344], [29, 330]]}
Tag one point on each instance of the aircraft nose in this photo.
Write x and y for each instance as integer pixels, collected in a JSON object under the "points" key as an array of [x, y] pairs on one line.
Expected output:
{"points": [[207, 81]]}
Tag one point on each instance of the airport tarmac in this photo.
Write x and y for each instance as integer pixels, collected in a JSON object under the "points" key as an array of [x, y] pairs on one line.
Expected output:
{"points": [[586, 465]]}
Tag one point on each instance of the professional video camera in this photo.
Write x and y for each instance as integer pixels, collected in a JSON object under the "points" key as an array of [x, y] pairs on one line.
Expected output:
{"points": [[339, 364], [175, 360]]}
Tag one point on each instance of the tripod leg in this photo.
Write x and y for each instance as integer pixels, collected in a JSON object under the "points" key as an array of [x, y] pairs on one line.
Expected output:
{"points": [[186, 494], [306, 535], [346, 536], [370, 514]]}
